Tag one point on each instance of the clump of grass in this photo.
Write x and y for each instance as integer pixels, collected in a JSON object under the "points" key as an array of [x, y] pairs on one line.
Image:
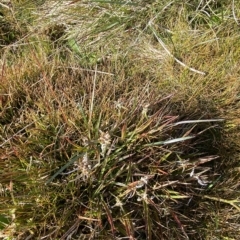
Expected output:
{"points": [[101, 158], [112, 122], [116, 165]]}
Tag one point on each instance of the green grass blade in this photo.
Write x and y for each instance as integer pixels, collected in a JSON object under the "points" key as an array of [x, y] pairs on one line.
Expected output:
{"points": [[169, 141], [71, 161], [115, 2], [199, 121]]}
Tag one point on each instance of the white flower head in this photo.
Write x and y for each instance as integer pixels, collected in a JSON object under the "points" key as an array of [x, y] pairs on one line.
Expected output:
{"points": [[105, 141]]}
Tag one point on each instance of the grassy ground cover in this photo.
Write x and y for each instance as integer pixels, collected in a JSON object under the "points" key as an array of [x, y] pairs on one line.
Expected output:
{"points": [[119, 119]]}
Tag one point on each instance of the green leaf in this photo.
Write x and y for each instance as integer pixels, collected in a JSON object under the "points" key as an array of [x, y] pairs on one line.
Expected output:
{"points": [[4, 221]]}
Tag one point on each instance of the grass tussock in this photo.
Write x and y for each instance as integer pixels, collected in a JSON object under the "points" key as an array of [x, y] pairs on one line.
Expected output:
{"points": [[119, 120]]}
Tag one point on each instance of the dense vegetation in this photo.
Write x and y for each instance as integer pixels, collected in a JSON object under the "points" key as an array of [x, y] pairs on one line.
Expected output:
{"points": [[119, 119]]}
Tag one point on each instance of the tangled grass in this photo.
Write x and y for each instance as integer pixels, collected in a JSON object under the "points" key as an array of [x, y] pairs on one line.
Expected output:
{"points": [[119, 120]]}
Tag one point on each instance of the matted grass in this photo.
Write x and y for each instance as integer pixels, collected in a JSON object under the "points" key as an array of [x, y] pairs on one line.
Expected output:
{"points": [[119, 120]]}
